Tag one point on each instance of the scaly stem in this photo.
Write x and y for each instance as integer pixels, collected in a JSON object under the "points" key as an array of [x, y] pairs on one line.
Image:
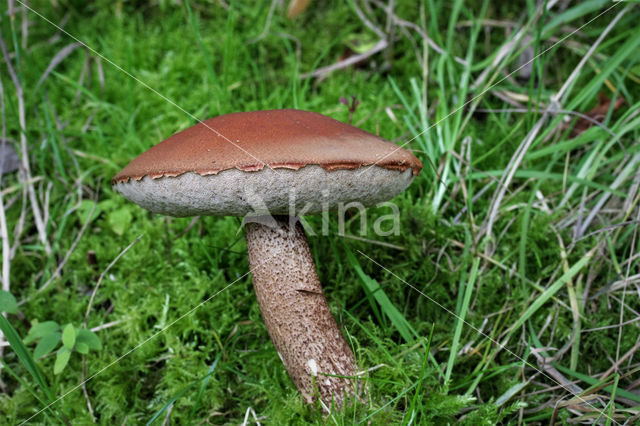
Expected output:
{"points": [[296, 313]]}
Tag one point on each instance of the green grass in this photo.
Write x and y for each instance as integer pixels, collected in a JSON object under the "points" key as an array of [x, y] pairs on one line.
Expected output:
{"points": [[510, 290]]}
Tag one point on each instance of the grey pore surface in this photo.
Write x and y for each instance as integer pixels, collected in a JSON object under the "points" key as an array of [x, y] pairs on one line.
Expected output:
{"points": [[308, 190]]}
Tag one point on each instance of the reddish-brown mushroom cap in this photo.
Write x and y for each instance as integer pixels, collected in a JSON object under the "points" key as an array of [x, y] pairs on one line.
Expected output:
{"points": [[249, 141], [266, 162]]}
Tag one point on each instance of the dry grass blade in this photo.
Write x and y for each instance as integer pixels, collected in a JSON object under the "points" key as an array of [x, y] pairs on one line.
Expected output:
{"points": [[84, 390], [621, 178], [267, 24], [351, 60], [4, 231], [56, 60], [518, 156], [624, 293], [505, 181], [102, 275], [622, 359], [61, 265], [585, 117], [518, 41], [557, 376], [384, 43], [35, 207], [375, 242], [392, 17], [564, 90]]}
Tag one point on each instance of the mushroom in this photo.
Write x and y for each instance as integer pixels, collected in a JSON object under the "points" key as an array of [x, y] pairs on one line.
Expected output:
{"points": [[269, 167]]}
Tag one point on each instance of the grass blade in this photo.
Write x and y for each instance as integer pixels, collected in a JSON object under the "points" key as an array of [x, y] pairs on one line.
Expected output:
{"points": [[551, 290], [460, 319], [204, 385], [24, 356], [397, 319], [185, 390]]}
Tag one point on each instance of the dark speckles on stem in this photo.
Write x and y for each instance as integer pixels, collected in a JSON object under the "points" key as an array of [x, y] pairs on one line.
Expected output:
{"points": [[303, 291]]}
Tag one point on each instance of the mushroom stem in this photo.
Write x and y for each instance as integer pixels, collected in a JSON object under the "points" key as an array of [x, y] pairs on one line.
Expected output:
{"points": [[296, 313]]}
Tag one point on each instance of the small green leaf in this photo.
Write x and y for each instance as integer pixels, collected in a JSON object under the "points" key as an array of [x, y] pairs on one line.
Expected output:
{"points": [[85, 208], [119, 220], [83, 348], [69, 336], [87, 205], [8, 303], [47, 344], [62, 360], [41, 329], [89, 338], [359, 43]]}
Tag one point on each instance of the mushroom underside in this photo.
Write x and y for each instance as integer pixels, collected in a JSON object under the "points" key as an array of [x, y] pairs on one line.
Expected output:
{"points": [[308, 190]]}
